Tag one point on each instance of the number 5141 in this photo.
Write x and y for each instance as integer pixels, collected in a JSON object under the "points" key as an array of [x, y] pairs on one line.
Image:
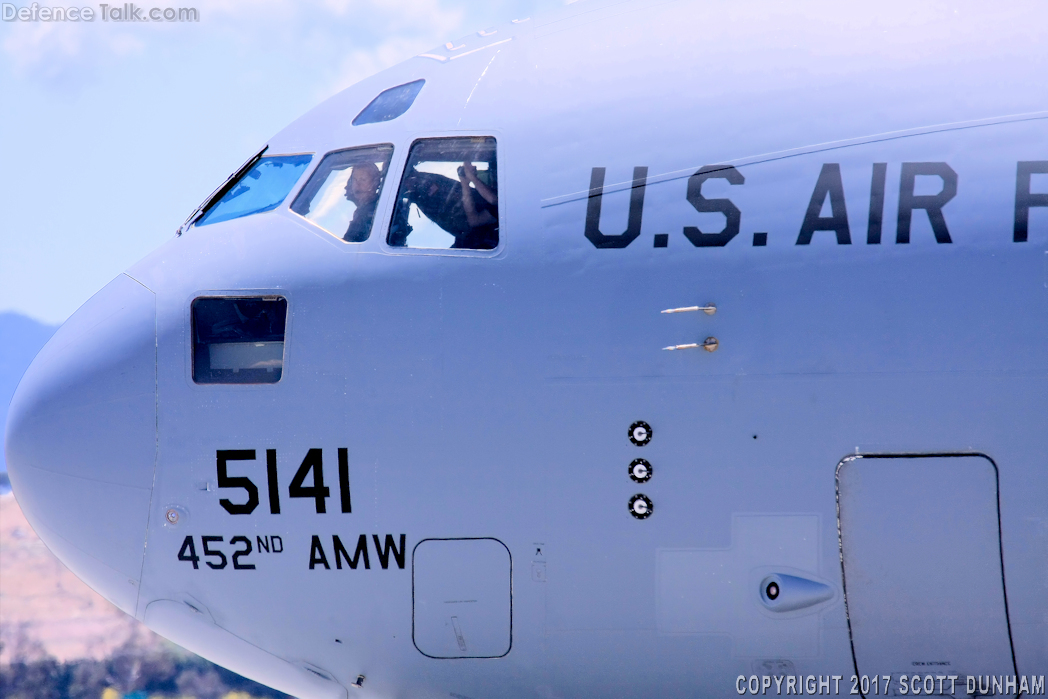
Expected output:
{"points": [[312, 467]]}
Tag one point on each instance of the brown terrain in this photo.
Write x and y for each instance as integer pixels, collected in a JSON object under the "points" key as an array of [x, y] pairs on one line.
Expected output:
{"points": [[45, 609]]}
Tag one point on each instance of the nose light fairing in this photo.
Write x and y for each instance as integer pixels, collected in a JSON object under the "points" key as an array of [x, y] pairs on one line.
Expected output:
{"points": [[81, 439]]}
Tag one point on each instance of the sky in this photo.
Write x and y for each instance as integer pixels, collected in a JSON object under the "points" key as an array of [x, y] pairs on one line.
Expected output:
{"points": [[111, 133]]}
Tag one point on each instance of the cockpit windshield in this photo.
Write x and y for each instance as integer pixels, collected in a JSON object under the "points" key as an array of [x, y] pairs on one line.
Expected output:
{"points": [[262, 188]]}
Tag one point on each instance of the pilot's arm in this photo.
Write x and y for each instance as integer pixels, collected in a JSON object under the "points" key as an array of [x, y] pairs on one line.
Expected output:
{"points": [[474, 216], [490, 195]]}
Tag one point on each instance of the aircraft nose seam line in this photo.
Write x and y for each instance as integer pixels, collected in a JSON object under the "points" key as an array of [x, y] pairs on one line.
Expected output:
{"points": [[75, 408], [139, 282], [90, 480], [116, 311], [156, 454]]}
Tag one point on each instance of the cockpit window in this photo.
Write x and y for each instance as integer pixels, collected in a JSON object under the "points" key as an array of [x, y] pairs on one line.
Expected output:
{"points": [[238, 340], [262, 188], [343, 192], [448, 196], [389, 104]]}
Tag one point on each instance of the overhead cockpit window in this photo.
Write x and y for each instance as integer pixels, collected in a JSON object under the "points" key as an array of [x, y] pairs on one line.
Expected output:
{"points": [[262, 188], [448, 196], [343, 192], [390, 103], [238, 340]]}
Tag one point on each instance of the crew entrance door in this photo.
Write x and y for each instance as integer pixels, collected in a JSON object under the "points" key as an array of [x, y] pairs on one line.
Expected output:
{"points": [[923, 577]]}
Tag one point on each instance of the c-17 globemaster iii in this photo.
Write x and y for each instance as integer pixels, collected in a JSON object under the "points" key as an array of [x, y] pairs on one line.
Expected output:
{"points": [[644, 349]]}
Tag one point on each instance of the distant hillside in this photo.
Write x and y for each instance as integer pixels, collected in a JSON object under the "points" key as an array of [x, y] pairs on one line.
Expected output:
{"points": [[43, 605], [61, 640], [20, 340]]}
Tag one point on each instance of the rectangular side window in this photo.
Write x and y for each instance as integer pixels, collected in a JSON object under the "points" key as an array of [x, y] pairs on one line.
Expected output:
{"points": [[238, 340], [343, 192], [448, 196]]}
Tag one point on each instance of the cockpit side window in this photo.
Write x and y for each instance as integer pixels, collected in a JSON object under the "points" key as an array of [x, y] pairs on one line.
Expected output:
{"points": [[262, 188], [238, 340], [343, 192], [448, 196]]}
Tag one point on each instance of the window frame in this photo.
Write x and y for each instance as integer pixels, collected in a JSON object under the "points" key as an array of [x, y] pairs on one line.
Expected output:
{"points": [[401, 166]]}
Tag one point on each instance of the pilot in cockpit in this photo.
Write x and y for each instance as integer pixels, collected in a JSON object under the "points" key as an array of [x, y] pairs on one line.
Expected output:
{"points": [[362, 189], [469, 213]]}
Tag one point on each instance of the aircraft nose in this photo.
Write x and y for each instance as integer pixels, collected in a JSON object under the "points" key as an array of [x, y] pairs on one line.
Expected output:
{"points": [[81, 439]]}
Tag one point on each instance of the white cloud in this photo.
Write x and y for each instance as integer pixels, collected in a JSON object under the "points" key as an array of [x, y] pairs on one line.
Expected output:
{"points": [[344, 40], [360, 63], [62, 52]]}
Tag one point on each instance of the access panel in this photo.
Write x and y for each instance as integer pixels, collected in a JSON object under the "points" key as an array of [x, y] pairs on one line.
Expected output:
{"points": [[462, 598], [923, 577]]}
